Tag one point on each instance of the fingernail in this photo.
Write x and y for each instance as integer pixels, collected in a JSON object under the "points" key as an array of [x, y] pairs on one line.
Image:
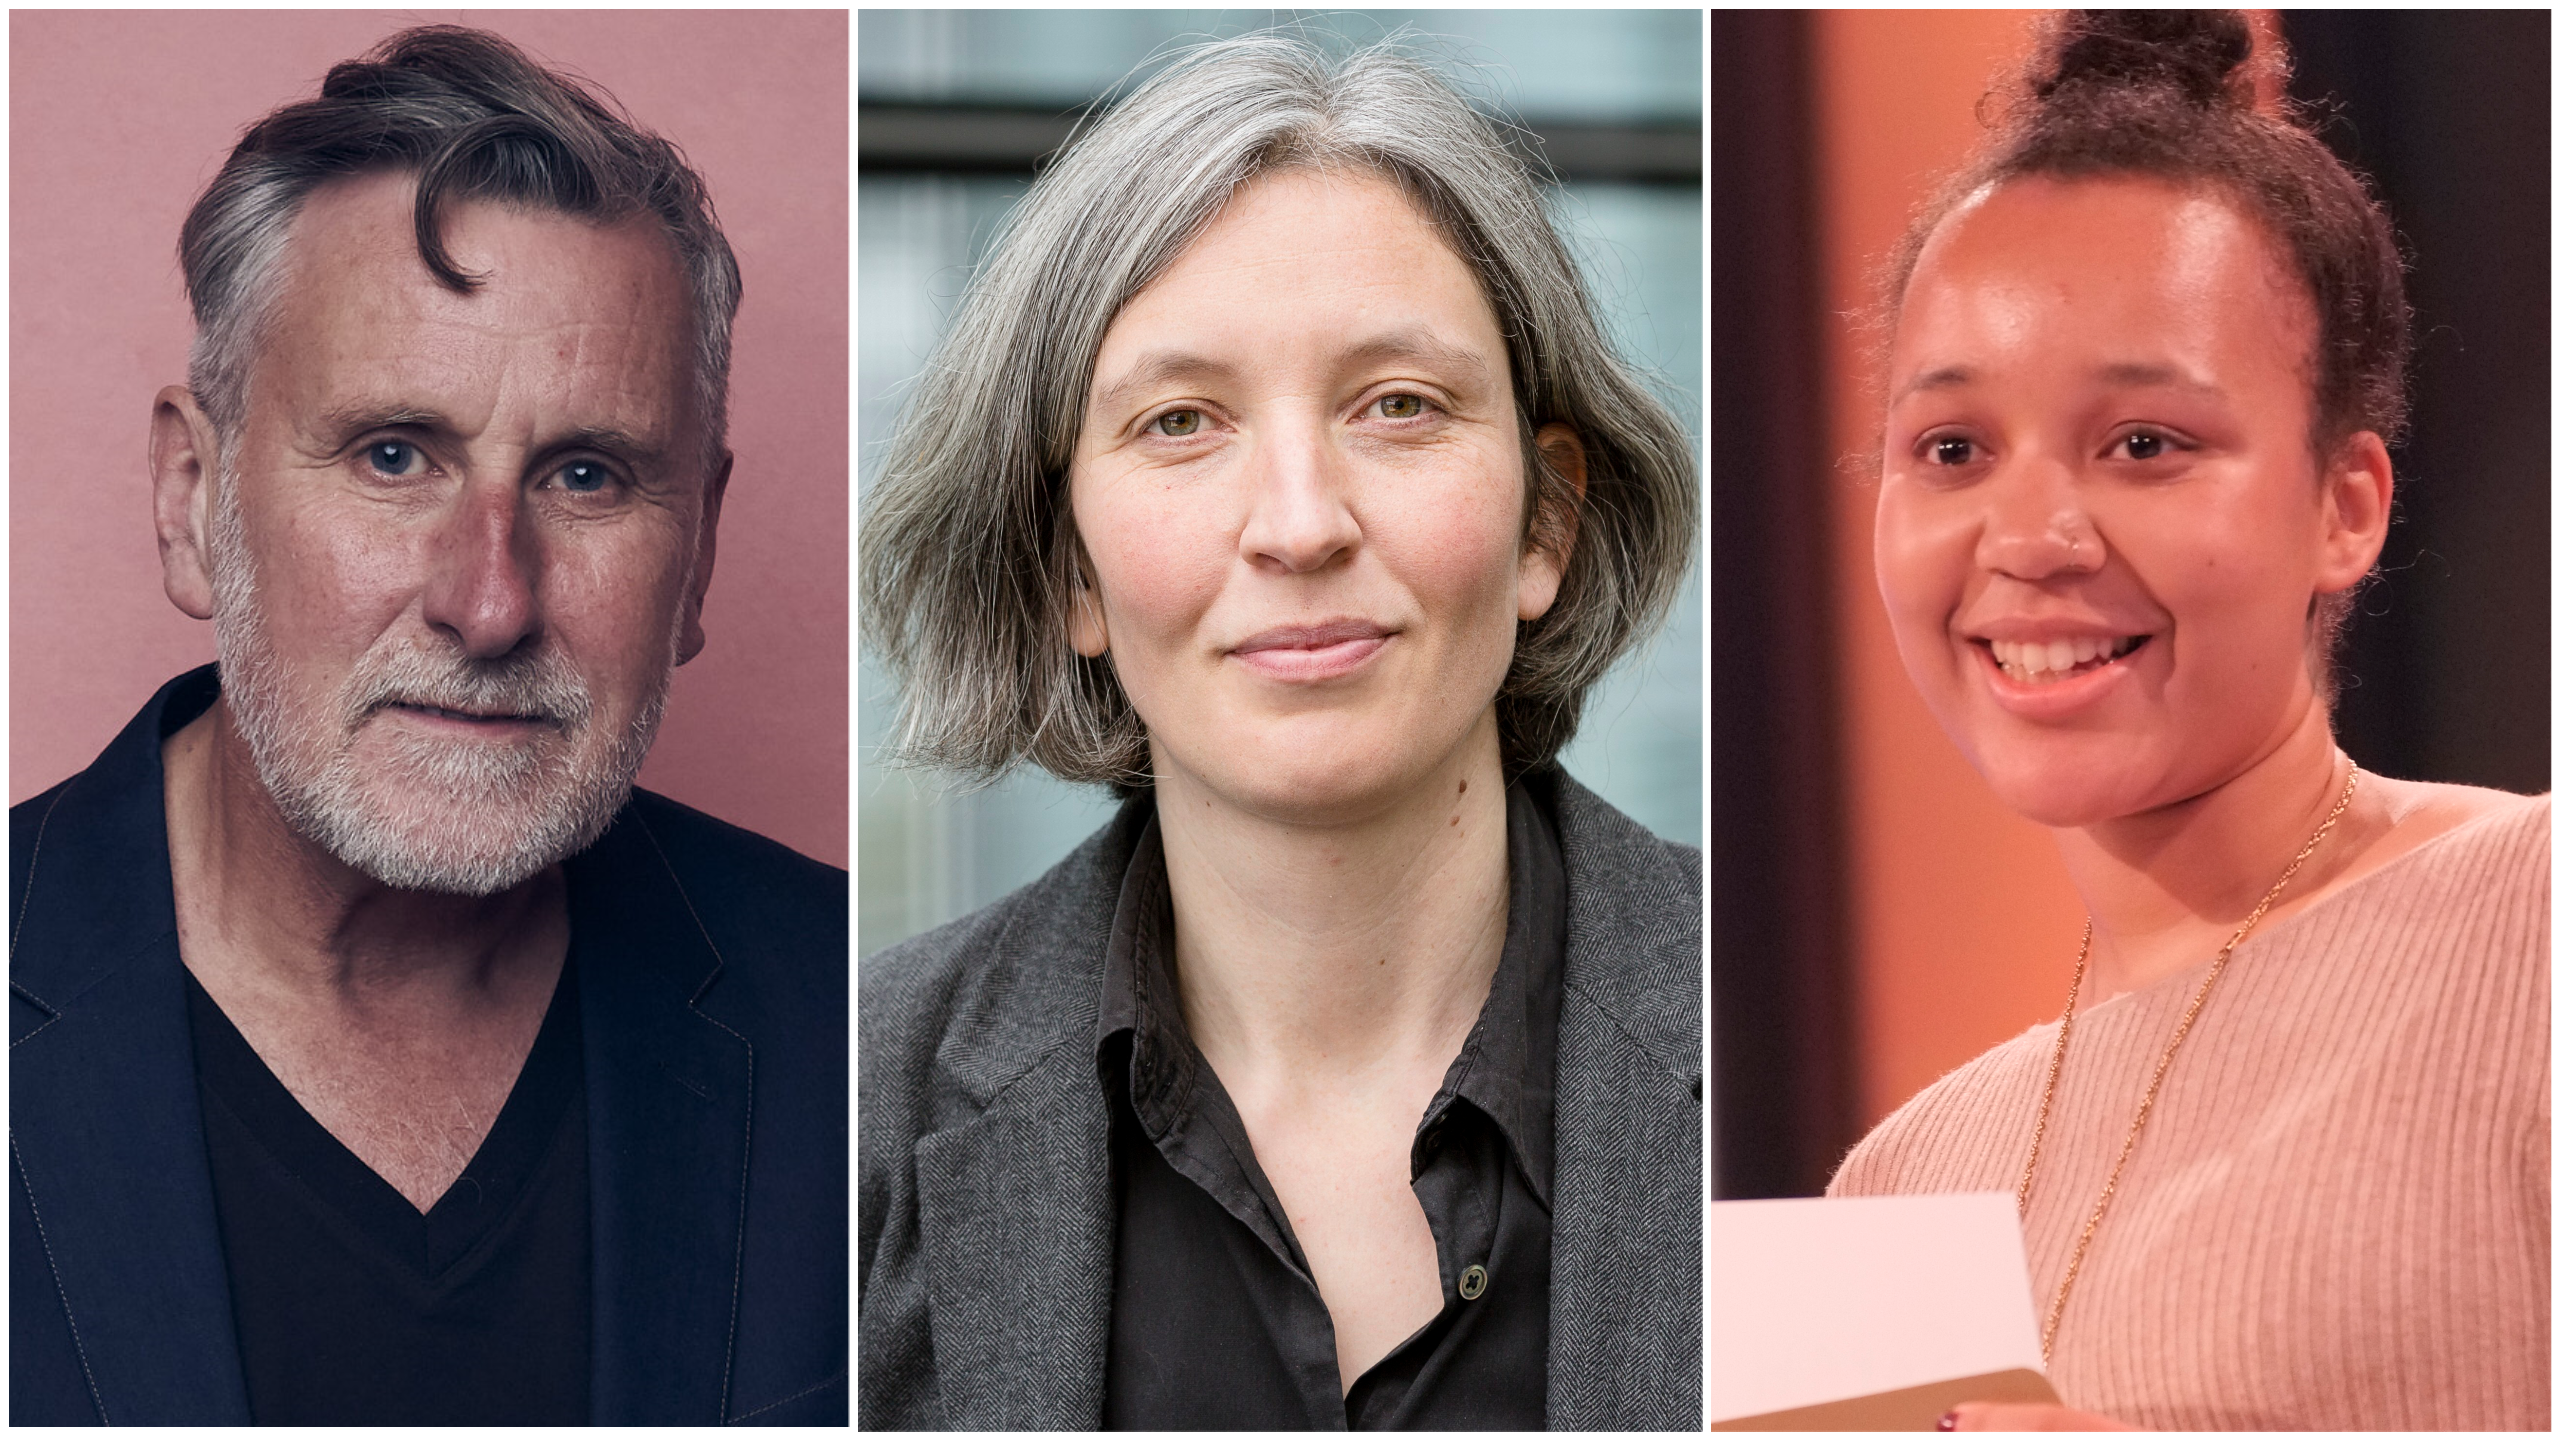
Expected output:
{"points": [[1947, 1421]]}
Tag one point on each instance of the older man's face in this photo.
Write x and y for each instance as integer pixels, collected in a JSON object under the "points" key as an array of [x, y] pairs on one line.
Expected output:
{"points": [[459, 547]]}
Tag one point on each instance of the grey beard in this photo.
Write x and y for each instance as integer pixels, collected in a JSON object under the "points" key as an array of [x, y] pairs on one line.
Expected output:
{"points": [[461, 818]]}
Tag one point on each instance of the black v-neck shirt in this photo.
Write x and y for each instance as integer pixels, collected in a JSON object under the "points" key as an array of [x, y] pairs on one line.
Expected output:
{"points": [[353, 1308]]}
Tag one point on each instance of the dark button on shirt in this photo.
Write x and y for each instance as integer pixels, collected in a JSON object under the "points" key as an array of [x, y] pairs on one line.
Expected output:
{"points": [[1215, 1318], [353, 1308]]}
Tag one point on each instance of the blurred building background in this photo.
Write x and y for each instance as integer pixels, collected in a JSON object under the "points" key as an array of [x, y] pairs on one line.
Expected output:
{"points": [[957, 108], [1878, 918]]}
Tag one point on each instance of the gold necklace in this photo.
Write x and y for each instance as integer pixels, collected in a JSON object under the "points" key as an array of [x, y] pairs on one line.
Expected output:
{"points": [[2142, 1112]]}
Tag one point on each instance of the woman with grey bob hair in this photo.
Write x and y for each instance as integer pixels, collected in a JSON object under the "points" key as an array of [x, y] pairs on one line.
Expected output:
{"points": [[968, 563], [1277, 473]]}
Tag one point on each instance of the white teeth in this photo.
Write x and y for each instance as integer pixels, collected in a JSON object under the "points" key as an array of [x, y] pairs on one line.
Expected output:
{"points": [[2035, 662]]}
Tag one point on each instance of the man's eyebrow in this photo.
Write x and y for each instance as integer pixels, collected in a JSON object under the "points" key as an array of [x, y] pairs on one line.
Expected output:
{"points": [[613, 440], [344, 421], [362, 415]]}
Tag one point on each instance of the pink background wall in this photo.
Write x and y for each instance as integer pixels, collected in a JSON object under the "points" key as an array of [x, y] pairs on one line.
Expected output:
{"points": [[117, 120]]}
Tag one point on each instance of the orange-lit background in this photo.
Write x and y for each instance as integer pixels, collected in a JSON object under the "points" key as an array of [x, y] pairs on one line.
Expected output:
{"points": [[1965, 926]]}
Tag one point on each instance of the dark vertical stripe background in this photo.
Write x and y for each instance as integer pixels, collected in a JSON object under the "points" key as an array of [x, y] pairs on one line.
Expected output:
{"points": [[1780, 909]]}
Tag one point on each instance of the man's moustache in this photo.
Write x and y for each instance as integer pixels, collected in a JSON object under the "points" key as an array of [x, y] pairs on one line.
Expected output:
{"points": [[530, 687]]}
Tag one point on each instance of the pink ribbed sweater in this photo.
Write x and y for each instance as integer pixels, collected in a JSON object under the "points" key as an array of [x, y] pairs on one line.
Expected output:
{"points": [[2339, 1215]]}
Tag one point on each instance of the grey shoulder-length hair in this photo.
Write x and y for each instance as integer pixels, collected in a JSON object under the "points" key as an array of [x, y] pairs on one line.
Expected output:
{"points": [[969, 553]]}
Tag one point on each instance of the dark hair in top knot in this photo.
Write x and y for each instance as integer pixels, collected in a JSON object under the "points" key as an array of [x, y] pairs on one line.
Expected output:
{"points": [[2200, 54], [2173, 95]]}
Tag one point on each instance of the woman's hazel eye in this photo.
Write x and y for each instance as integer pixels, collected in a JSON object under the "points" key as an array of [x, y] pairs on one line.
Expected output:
{"points": [[1178, 423], [1951, 450], [392, 457], [1400, 407]]}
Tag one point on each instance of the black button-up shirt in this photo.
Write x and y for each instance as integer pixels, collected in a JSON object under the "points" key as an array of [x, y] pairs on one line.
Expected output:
{"points": [[1215, 1318]]}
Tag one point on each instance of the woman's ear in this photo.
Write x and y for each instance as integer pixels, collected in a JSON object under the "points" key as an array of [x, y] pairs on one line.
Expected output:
{"points": [[2355, 511], [1086, 630], [1552, 533]]}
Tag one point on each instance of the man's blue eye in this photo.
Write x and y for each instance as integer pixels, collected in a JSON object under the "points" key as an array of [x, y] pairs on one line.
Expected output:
{"points": [[584, 476], [392, 457]]}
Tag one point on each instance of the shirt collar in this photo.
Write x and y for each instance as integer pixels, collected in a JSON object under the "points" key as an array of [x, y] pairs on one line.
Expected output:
{"points": [[1506, 1067], [1138, 995]]}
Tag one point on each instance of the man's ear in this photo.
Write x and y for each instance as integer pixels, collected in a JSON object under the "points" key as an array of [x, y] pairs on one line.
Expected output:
{"points": [[184, 455], [1551, 534], [706, 547]]}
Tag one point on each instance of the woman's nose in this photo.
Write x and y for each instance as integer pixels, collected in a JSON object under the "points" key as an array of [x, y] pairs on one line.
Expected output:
{"points": [[2035, 526], [1302, 519]]}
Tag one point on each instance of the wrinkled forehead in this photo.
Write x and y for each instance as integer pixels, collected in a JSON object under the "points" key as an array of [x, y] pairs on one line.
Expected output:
{"points": [[587, 316]]}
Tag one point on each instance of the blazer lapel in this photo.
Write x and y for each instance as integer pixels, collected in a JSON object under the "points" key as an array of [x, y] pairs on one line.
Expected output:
{"points": [[1015, 1210], [1623, 1328], [669, 1100], [105, 1130], [1625, 1332]]}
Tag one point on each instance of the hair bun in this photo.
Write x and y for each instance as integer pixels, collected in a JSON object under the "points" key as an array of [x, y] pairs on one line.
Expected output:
{"points": [[2199, 54]]}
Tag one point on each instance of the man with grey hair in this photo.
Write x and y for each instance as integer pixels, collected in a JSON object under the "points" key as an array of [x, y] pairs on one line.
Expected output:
{"points": [[379, 1053]]}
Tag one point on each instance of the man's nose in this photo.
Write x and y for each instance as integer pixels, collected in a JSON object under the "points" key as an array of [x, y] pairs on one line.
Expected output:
{"points": [[480, 575], [2036, 526], [1302, 519]]}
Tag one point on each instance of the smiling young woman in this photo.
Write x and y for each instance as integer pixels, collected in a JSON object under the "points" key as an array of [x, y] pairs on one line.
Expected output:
{"points": [[2284, 1160]]}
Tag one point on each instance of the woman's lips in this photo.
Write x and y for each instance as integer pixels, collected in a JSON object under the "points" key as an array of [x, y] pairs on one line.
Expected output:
{"points": [[2032, 662], [2040, 685], [1306, 653]]}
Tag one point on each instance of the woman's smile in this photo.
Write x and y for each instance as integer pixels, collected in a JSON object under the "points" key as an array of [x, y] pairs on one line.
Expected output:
{"points": [[2055, 680], [2053, 666], [1307, 654]]}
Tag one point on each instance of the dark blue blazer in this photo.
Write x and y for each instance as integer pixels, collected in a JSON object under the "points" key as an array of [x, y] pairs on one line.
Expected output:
{"points": [[715, 1034]]}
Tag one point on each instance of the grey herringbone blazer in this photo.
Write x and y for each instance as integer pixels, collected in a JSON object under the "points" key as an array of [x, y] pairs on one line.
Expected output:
{"points": [[985, 1206]]}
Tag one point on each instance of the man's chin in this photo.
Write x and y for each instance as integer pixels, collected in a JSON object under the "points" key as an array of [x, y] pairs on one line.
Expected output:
{"points": [[459, 847]]}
